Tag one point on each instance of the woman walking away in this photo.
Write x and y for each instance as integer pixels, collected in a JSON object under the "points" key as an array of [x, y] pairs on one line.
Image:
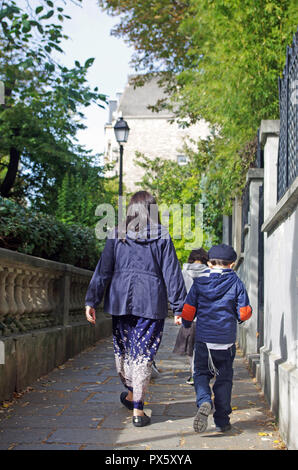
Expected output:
{"points": [[140, 272]]}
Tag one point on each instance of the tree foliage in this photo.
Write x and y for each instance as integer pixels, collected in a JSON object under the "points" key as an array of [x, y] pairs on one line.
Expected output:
{"points": [[152, 27], [218, 60], [80, 194], [43, 102]]}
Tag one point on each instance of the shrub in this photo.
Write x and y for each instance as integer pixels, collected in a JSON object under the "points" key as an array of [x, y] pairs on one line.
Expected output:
{"points": [[37, 234]]}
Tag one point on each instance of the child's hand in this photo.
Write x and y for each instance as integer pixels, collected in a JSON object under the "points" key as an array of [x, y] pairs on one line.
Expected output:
{"points": [[186, 324], [90, 314], [178, 320]]}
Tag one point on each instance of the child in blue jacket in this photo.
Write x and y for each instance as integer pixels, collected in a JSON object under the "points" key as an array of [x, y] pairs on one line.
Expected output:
{"points": [[218, 299]]}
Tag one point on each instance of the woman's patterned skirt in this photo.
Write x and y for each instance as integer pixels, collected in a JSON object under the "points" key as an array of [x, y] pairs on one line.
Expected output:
{"points": [[136, 341]]}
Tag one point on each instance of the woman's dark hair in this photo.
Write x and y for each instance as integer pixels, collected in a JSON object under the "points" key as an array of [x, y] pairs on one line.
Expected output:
{"points": [[198, 255], [142, 209]]}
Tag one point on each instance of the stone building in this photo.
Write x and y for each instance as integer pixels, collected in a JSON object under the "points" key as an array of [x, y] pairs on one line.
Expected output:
{"points": [[150, 133]]}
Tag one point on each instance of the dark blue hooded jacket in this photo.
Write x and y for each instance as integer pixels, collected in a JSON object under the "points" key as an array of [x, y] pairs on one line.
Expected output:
{"points": [[138, 275], [219, 300]]}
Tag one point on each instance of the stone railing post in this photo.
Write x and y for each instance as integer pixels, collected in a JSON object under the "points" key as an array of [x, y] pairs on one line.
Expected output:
{"points": [[64, 299], [4, 307]]}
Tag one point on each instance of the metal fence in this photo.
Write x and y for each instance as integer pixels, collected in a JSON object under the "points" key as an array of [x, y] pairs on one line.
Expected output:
{"points": [[288, 109]]}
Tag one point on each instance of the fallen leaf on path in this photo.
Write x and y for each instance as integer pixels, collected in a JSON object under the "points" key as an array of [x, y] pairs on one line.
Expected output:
{"points": [[7, 404], [280, 445]]}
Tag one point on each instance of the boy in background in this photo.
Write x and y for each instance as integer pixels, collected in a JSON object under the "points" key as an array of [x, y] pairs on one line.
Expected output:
{"points": [[218, 299], [184, 345]]}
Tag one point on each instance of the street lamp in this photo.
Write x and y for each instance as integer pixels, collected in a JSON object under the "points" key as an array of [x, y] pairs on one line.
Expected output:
{"points": [[121, 130]]}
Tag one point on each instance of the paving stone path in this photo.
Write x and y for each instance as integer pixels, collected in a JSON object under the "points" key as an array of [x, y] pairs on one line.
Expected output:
{"points": [[77, 407]]}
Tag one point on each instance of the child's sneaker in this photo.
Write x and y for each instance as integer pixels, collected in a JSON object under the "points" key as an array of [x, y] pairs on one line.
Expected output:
{"points": [[201, 418], [190, 380], [225, 428]]}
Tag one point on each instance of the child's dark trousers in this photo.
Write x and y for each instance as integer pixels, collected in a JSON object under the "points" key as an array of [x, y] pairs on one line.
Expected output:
{"points": [[222, 388]]}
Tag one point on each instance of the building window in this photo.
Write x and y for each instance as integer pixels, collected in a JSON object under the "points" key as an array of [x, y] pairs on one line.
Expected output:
{"points": [[115, 154], [182, 159]]}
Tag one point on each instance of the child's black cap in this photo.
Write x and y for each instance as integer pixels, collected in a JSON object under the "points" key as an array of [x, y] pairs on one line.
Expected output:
{"points": [[222, 251]]}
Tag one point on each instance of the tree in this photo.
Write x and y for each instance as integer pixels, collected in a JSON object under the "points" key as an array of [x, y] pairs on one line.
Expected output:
{"points": [[152, 27], [43, 106], [81, 192], [218, 60]]}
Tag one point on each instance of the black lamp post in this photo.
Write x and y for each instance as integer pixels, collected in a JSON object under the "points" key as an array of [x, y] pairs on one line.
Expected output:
{"points": [[121, 130]]}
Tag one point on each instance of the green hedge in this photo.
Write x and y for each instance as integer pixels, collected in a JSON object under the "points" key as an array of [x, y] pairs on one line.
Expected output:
{"points": [[44, 236]]}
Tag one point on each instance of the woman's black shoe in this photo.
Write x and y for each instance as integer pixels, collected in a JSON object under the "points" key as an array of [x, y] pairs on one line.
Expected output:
{"points": [[140, 421], [128, 404]]}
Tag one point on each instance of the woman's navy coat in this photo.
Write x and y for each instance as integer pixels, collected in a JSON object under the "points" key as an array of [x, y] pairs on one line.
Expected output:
{"points": [[138, 275]]}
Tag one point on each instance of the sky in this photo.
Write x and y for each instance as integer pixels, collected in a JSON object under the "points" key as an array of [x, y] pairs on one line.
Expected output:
{"points": [[89, 31]]}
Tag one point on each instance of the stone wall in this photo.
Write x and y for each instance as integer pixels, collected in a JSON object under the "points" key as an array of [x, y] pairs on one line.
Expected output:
{"points": [[279, 354], [42, 320]]}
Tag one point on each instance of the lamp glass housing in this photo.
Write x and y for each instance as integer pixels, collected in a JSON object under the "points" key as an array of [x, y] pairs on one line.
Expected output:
{"points": [[121, 130]]}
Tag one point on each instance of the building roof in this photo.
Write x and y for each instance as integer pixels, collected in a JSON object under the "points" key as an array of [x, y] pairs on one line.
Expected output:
{"points": [[135, 100]]}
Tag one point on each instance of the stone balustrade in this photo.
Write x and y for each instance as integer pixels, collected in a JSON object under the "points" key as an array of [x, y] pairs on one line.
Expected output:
{"points": [[42, 318], [37, 293]]}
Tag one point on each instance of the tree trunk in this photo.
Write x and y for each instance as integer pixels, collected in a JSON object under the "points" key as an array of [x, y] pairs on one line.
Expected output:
{"points": [[12, 171], [14, 159]]}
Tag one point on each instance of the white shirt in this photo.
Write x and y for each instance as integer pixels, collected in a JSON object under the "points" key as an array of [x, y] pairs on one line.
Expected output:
{"points": [[218, 346]]}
